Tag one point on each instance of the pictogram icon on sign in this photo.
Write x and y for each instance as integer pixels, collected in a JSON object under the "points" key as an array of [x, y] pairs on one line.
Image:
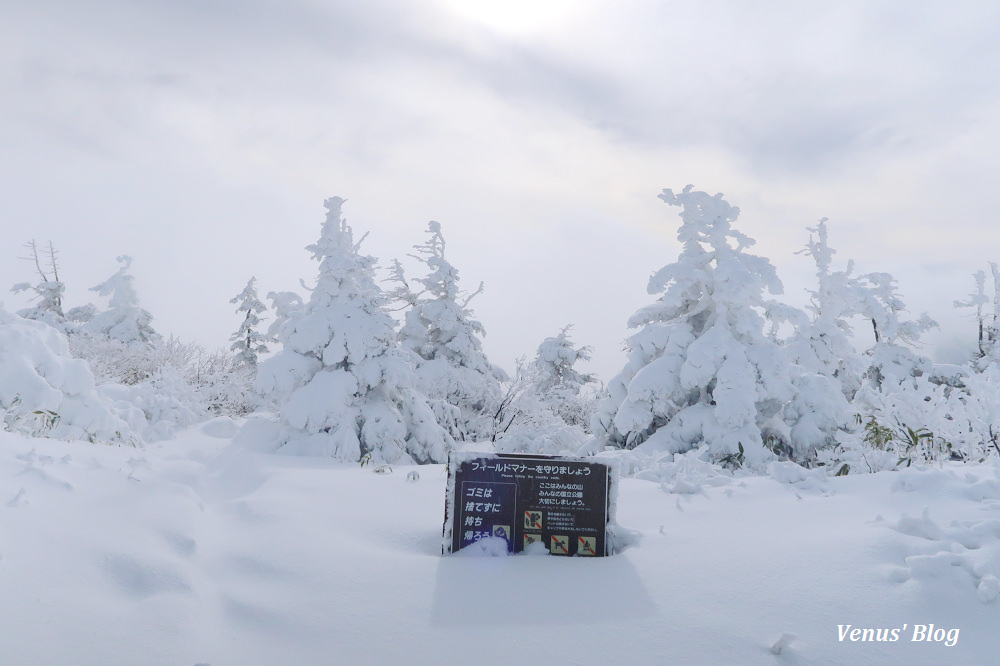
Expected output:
{"points": [[559, 545], [502, 531], [532, 538], [586, 546], [532, 520]]}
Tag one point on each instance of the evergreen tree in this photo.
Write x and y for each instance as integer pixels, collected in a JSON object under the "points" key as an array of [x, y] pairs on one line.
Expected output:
{"points": [[821, 342], [342, 385], [247, 341], [124, 320], [558, 383], [286, 305], [439, 328], [701, 370]]}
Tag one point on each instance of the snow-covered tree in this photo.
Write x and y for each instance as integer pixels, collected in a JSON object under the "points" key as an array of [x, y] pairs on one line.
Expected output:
{"points": [[989, 328], [559, 383], [882, 305], [119, 343], [48, 291], [124, 320], [701, 371], [891, 359], [821, 342], [439, 328], [343, 386], [248, 342], [286, 305]]}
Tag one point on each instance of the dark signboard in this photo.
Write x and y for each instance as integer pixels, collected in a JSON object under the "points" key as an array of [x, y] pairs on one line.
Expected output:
{"points": [[564, 503]]}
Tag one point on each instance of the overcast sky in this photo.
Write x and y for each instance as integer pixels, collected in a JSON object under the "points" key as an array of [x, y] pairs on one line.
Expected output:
{"points": [[201, 137]]}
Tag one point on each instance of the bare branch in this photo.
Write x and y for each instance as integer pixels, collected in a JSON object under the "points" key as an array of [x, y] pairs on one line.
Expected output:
{"points": [[34, 257], [52, 261], [468, 298]]}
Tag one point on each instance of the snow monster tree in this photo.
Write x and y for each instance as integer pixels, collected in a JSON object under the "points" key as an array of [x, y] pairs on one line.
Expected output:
{"points": [[701, 371], [341, 383], [462, 386]]}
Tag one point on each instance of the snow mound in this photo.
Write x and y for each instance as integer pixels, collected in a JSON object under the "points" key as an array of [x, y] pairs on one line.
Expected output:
{"points": [[488, 547], [45, 392], [222, 427], [962, 552], [800, 478], [678, 474], [197, 552]]}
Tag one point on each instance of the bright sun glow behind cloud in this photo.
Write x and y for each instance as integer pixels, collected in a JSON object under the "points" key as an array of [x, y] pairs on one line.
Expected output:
{"points": [[515, 16]]}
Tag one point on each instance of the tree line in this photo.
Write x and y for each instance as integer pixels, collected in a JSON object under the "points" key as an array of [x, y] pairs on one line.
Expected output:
{"points": [[716, 364]]}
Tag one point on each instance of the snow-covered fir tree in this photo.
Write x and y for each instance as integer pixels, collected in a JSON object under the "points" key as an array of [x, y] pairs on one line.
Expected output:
{"points": [[559, 384], [821, 342], [701, 371], [48, 291], [342, 385], [248, 342], [119, 343], [124, 320], [439, 328]]}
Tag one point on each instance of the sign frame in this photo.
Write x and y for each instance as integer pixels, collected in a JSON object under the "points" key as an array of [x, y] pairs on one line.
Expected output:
{"points": [[565, 502]]}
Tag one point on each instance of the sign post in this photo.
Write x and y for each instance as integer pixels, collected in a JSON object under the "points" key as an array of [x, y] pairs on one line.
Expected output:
{"points": [[564, 503]]}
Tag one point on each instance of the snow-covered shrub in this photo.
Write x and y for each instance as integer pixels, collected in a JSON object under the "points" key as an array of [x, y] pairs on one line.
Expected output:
{"points": [[44, 391], [701, 370], [342, 385], [461, 385], [981, 399], [115, 361], [186, 389], [173, 383], [225, 383], [524, 421], [166, 400], [917, 421]]}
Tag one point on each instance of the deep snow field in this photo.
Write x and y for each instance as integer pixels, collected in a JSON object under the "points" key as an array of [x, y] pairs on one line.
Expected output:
{"points": [[194, 551]]}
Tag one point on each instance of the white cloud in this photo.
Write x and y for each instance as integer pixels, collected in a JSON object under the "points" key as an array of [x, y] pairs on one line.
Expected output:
{"points": [[202, 137]]}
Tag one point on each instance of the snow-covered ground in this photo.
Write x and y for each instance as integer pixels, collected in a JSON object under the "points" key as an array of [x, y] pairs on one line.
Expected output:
{"points": [[193, 551]]}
